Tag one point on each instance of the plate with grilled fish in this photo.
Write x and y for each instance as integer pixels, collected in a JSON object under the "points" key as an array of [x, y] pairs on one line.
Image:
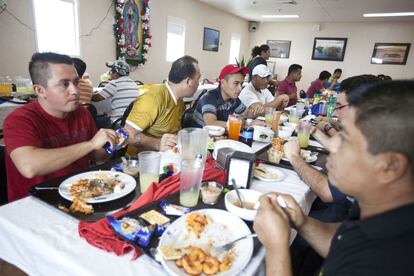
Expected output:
{"points": [[97, 186]]}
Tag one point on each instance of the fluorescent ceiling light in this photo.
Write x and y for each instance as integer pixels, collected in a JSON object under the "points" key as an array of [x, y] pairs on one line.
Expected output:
{"points": [[281, 16], [388, 14]]}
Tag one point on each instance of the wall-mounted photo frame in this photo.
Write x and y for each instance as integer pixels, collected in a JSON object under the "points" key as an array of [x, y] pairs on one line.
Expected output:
{"points": [[390, 53], [211, 40], [329, 48], [279, 48]]}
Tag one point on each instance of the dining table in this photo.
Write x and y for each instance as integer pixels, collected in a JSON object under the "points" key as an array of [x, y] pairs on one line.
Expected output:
{"points": [[40, 239]]}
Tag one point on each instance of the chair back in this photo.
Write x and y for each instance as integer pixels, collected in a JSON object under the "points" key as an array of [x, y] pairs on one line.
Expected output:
{"points": [[187, 119], [103, 83], [120, 122]]}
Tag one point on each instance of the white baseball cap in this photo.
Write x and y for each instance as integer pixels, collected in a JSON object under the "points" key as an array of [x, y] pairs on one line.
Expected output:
{"points": [[262, 71]]}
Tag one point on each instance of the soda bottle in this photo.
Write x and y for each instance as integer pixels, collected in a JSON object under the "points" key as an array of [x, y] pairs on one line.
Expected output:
{"points": [[247, 134]]}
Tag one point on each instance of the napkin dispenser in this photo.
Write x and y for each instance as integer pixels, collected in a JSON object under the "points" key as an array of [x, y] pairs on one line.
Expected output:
{"points": [[240, 168], [223, 157]]}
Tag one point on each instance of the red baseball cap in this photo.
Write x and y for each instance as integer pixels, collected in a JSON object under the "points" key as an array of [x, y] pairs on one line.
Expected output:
{"points": [[232, 69]]}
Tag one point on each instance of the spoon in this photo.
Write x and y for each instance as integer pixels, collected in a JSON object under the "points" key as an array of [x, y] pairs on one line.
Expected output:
{"points": [[237, 192]]}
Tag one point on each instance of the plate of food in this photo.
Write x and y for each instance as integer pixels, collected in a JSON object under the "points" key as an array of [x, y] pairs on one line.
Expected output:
{"points": [[97, 186], [268, 173], [308, 155], [186, 245]]}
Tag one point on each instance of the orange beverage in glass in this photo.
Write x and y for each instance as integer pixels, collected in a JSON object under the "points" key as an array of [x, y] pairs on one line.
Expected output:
{"points": [[234, 128]]}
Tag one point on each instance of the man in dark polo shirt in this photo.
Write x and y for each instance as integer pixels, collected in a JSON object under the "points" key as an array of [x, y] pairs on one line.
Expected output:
{"points": [[288, 85], [371, 159], [216, 105]]}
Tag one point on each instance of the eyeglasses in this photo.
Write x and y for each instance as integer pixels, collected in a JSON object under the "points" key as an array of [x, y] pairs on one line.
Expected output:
{"points": [[340, 107]]}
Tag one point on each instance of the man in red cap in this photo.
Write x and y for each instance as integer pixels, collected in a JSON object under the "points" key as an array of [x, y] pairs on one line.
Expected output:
{"points": [[216, 105]]}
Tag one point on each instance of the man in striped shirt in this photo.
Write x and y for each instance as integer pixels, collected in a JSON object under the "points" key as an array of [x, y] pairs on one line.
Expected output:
{"points": [[121, 90]]}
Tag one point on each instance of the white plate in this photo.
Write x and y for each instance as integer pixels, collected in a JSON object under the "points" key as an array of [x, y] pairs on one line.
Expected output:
{"points": [[225, 228], [273, 169], [215, 130], [236, 145], [130, 184], [310, 160]]}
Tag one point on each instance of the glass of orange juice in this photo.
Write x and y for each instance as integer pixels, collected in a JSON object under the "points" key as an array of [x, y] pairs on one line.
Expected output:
{"points": [[234, 127]]}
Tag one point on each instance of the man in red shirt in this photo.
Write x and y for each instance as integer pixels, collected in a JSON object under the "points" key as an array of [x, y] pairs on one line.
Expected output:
{"points": [[288, 86], [52, 136], [318, 85]]}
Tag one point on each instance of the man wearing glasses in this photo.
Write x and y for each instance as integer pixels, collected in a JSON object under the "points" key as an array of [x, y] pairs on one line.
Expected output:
{"points": [[332, 205]]}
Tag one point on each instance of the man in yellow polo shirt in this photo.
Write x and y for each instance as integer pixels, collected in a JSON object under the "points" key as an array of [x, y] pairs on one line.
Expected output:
{"points": [[156, 116]]}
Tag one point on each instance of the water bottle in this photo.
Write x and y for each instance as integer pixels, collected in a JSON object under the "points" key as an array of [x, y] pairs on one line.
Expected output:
{"points": [[331, 107], [247, 134]]}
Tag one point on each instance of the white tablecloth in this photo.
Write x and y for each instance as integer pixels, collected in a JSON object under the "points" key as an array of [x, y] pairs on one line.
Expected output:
{"points": [[42, 240]]}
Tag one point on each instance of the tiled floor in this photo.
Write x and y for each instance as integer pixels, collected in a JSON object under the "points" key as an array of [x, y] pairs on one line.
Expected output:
{"points": [[7, 269]]}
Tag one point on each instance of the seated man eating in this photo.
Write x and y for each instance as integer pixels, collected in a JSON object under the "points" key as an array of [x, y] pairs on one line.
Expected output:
{"points": [[52, 136], [257, 97], [156, 115], [216, 105]]}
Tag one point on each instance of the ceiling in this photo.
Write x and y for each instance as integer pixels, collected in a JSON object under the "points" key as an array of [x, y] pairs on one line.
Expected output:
{"points": [[314, 10]]}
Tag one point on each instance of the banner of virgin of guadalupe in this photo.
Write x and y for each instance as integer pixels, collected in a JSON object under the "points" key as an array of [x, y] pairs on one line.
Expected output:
{"points": [[131, 13]]}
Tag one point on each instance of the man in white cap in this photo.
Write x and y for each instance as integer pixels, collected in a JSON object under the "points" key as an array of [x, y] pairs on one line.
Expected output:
{"points": [[122, 90], [256, 96]]}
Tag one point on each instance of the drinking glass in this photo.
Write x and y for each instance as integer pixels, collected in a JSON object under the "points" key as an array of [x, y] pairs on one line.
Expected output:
{"points": [[190, 181], [149, 168], [234, 128], [303, 134], [269, 115], [293, 116]]}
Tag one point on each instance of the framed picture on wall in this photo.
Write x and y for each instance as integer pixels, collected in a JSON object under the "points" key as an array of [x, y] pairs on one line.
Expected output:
{"points": [[390, 53], [211, 40], [279, 48], [329, 48]]}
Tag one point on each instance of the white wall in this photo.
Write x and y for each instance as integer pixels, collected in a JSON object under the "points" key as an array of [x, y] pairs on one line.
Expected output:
{"points": [[18, 42], [361, 39]]}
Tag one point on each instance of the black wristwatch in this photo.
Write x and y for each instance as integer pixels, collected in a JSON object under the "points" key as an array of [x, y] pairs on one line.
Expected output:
{"points": [[327, 128]]}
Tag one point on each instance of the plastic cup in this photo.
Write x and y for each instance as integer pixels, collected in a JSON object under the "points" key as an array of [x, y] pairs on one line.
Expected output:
{"points": [[269, 115], [190, 181], [234, 128], [210, 192], [303, 134], [149, 168], [293, 116], [131, 167]]}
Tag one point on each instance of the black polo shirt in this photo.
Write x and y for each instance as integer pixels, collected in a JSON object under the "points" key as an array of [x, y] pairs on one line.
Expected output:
{"points": [[379, 245]]}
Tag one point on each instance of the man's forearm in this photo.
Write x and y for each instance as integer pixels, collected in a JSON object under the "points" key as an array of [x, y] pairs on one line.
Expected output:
{"points": [[278, 262], [142, 141], [318, 234], [317, 181], [32, 162], [321, 137]]}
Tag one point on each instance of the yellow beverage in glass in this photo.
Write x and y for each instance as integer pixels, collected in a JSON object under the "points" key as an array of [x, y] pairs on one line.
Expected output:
{"points": [[269, 119], [303, 140], [293, 119], [189, 198], [146, 179]]}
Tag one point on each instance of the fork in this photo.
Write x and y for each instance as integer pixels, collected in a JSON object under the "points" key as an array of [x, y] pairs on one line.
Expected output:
{"points": [[229, 245]]}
